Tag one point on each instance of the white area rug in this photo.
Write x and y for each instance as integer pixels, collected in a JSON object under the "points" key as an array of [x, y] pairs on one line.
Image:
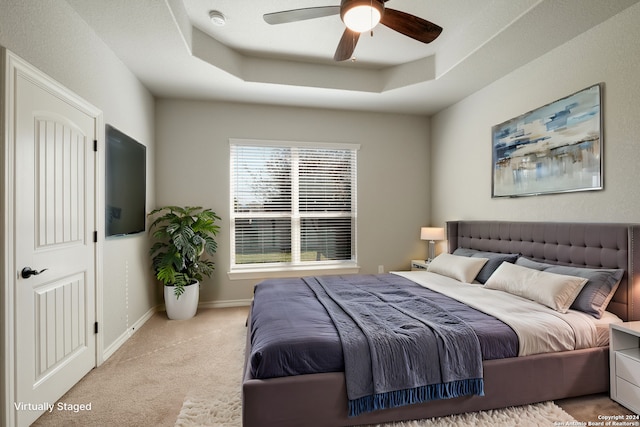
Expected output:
{"points": [[225, 410], [211, 411]]}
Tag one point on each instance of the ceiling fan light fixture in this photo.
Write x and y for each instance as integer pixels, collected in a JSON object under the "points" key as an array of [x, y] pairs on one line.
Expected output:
{"points": [[361, 16]]}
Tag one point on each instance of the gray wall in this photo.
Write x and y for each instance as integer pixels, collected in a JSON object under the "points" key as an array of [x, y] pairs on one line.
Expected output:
{"points": [[461, 134], [393, 173]]}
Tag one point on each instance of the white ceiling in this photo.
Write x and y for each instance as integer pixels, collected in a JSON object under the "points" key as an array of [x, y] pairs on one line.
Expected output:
{"points": [[176, 52]]}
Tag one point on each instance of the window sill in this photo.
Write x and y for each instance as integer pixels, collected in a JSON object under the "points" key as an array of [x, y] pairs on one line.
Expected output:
{"points": [[273, 272]]}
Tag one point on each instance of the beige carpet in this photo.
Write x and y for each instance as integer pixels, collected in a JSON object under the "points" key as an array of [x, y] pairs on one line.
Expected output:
{"points": [[145, 382], [188, 373]]}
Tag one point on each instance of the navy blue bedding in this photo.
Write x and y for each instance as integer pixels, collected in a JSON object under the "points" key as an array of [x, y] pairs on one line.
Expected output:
{"points": [[292, 334]]}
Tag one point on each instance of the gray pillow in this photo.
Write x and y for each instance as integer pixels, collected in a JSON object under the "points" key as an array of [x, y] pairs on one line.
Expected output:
{"points": [[495, 259], [526, 262], [596, 294]]}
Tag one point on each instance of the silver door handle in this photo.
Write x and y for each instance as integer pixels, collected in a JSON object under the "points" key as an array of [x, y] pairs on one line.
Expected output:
{"points": [[28, 272]]}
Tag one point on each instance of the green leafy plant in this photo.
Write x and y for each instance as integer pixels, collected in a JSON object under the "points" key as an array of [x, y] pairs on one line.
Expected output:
{"points": [[183, 237]]}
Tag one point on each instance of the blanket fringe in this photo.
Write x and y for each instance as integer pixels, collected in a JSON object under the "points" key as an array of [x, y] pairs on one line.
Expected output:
{"points": [[421, 394]]}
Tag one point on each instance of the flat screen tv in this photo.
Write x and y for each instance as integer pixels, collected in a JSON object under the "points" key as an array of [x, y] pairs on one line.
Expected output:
{"points": [[126, 184]]}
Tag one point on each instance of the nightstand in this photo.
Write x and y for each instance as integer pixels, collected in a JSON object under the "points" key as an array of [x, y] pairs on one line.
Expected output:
{"points": [[419, 264], [624, 364]]}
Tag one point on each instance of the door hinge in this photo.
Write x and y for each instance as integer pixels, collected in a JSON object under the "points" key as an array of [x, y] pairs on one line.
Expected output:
{"points": [[95, 328], [95, 237], [95, 145]]}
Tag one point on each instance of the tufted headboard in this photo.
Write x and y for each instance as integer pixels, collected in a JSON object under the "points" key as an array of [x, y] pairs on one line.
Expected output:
{"points": [[591, 245]]}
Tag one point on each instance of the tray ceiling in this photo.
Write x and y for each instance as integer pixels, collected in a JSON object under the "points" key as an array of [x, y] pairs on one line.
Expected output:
{"points": [[175, 50]]}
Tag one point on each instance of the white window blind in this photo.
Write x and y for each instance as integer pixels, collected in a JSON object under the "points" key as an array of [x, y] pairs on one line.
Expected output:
{"points": [[293, 204]]}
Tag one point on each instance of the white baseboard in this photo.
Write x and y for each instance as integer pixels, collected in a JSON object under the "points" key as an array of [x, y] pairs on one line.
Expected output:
{"points": [[227, 303], [108, 352]]}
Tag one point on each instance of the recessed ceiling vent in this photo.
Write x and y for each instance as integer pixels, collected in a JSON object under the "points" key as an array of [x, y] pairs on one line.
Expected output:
{"points": [[217, 18]]}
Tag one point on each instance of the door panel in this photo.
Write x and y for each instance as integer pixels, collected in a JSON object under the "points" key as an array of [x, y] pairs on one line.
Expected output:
{"points": [[60, 320], [60, 150]]}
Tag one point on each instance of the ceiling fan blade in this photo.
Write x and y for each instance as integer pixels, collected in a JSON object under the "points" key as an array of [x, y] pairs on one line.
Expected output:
{"points": [[295, 15], [411, 26], [347, 45]]}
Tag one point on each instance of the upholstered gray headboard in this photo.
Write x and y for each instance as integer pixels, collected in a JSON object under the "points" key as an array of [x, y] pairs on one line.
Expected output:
{"points": [[592, 245]]}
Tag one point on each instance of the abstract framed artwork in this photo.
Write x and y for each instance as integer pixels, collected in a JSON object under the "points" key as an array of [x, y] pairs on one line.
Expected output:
{"points": [[553, 149]]}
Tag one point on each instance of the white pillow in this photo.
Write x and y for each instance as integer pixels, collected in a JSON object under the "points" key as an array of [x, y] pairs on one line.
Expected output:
{"points": [[556, 291], [461, 268]]}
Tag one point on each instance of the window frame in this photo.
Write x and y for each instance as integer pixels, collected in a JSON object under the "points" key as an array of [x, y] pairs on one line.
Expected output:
{"points": [[295, 267]]}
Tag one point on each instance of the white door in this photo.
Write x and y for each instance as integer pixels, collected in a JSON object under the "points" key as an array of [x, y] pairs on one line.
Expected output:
{"points": [[54, 223]]}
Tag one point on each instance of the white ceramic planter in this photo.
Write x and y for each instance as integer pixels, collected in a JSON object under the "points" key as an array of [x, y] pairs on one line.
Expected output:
{"points": [[184, 307]]}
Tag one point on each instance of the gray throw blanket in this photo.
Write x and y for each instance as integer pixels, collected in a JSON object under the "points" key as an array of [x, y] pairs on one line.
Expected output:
{"points": [[398, 349]]}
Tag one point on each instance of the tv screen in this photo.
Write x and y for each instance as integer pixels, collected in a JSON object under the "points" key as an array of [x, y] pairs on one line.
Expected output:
{"points": [[126, 184]]}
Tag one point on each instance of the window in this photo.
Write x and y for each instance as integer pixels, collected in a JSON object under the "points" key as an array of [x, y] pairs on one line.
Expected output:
{"points": [[293, 205]]}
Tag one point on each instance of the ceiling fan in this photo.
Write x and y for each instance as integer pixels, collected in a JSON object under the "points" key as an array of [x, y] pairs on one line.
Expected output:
{"points": [[360, 16]]}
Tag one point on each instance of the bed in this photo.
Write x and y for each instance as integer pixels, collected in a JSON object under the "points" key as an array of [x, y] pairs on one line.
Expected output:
{"points": [[320, 399]]}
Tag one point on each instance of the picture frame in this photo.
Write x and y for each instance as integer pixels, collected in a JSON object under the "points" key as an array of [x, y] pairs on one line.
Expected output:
{"points": [[556, 148]]}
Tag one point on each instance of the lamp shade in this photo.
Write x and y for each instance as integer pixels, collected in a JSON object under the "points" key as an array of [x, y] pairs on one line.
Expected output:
{"points": [[432, 233], [361, 18], [361, 15]]}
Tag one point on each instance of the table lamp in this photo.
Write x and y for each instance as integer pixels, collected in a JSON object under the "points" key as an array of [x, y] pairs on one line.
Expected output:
{"points": [[432, 234]]}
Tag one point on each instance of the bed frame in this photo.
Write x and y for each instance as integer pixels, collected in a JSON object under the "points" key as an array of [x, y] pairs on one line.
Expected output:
{"points": [[321, 399]]}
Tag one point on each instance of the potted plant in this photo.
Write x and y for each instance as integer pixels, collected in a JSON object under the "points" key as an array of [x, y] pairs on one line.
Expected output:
{"points": [[183, 237]]}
